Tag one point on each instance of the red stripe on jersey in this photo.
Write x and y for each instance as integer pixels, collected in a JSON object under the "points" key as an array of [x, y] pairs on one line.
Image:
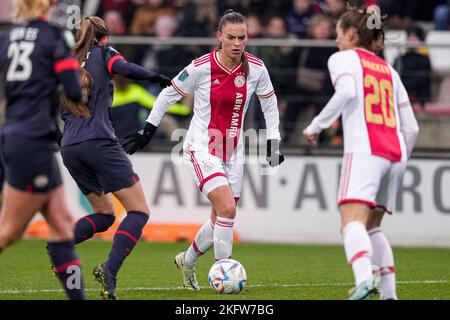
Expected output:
{"points": [[178, 89], [203, 60], [347, 175], [254, 58], [268, 95], [66, 64], [255, 62], [228, 100], [343, 176], [205, 56], [112, 61], [379, 107], [197, 168], [201, 63]]}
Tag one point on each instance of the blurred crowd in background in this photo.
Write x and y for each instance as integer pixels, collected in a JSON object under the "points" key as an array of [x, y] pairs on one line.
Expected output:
{"points": [[299, 74]]}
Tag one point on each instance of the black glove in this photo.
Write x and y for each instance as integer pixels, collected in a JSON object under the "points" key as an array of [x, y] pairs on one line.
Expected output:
{"points": [[161, 79], [140, 139], [274, 156]]}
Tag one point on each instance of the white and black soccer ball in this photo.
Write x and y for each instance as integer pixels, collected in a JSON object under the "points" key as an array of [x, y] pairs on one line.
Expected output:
{"points": [[227, 276]]}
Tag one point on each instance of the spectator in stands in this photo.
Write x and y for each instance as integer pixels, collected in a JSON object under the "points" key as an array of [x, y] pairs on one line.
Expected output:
{"points": [[279, 60], [298, 17], [414, 68], [254, 27], [442, 17], [167, 58], [126, 7], [313, 82], [131, 107], [335, 8], [115, 23], [403, 14], [145, 17], [199, 19]]}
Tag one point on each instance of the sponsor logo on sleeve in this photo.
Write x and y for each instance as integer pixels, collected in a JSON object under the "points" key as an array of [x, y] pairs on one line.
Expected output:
{"points": [[183, 75]]}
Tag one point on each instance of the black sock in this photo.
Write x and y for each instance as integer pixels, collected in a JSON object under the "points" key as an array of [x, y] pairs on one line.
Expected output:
{"points": [[89, 225], [126, 237], [67, 266]]}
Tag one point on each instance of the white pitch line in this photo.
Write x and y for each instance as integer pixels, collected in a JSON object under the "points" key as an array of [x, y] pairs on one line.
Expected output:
{"points": [[294, 285]]}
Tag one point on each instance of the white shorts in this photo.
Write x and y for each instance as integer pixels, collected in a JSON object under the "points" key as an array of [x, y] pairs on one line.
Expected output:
{"points": [[371, 180], [209, 172]]}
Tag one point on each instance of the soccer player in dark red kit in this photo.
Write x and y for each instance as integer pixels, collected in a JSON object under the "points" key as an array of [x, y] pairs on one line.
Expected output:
{"points": [[93, 155], [35, 58]]}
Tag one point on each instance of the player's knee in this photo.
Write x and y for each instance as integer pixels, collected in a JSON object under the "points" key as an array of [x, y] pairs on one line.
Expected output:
{"points": [[63, 232], [371, 224], [227, 211]]}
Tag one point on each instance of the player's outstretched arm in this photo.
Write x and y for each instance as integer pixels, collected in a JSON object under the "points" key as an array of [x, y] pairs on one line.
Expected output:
{"points": [[142, 138], [136, 72], [345, 91]]}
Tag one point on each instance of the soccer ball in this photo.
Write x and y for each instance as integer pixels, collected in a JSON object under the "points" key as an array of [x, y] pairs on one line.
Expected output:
{"points": [[227, 276]]}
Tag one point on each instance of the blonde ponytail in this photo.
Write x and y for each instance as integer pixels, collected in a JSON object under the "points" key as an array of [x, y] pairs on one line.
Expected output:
{"points": [[25, 10]]}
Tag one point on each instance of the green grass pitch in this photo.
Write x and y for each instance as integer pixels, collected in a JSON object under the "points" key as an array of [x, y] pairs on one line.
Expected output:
{"points": [[274, 272]]}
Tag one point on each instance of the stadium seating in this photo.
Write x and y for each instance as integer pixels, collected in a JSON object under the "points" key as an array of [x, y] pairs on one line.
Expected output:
{"points": [[394, 38], [439, 56]]}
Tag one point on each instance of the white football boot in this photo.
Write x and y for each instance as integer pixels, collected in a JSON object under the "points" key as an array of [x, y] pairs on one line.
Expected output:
{"points": [[189, 278]]}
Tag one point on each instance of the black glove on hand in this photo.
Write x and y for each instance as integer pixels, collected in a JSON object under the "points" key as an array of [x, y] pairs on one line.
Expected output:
{"points": [[140, 139], [274, 156], [161, 79]]}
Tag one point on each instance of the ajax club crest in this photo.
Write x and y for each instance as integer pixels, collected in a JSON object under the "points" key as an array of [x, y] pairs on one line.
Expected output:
{"points": [[239, 81]]}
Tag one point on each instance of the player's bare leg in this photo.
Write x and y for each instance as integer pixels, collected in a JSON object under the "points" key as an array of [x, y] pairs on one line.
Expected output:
{"points": [[18, 209], [99, 221], [382, 255], [358, 248]]}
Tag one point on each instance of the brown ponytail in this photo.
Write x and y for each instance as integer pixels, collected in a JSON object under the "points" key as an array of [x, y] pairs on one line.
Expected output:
{"points": [[91, 31], [231, 16], [368, 26]]}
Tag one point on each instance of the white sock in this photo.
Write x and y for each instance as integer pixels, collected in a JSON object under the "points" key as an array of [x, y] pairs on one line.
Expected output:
{"points": [[203, 242], [223, 238], [384, 258], [358, 250]]}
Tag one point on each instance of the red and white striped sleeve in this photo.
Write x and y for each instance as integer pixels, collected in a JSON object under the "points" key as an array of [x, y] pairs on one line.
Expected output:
{"points": [[269, 104], [185, 81], [264, 88]]}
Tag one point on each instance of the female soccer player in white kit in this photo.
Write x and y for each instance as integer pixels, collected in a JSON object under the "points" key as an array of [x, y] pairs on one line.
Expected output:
{"points": [[380, 131], [223, 82]]}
